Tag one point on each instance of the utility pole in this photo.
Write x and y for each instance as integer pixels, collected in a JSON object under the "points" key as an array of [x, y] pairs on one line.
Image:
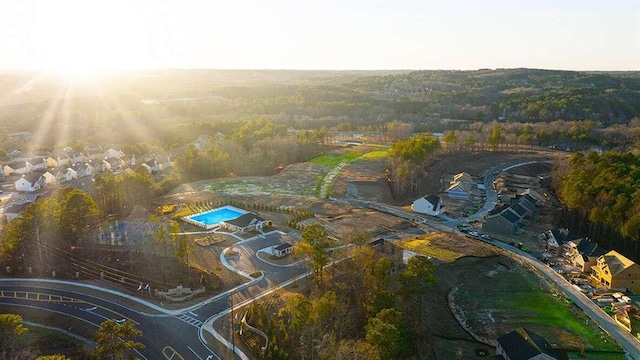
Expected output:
{"points": [[39, 246], [233, 342]]}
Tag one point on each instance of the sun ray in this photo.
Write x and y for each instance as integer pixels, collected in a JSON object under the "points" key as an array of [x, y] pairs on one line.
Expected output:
{"points": [[48, 122]]}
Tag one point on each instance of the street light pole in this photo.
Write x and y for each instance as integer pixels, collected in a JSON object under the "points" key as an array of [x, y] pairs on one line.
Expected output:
{"points": [[233, 342]]}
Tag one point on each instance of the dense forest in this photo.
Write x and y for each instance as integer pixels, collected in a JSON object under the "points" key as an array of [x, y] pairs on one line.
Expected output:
{"points": [[170, 108], [602, 196]]}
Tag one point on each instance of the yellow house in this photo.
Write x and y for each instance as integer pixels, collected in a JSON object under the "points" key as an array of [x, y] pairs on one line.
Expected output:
{"points": [[616, 272]]}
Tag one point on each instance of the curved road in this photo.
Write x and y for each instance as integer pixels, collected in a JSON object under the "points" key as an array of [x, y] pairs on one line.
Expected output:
{"points": [[167, 334], [178, 334]]}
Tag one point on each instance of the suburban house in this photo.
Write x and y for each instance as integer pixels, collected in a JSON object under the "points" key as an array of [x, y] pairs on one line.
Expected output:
{"points": [[556, 240], [30, 183], [83, 170], [75, 156], [151, 166], [282, 250], [462, 177], [430, 205], [113, 153], [530, 203], [49, 178], [246, 222], [37, 164], [20, 167], [163, 162], [615, 271], [70, 174], [505, 222], [200, 141], [94, 153], [14, 153], [56, 160], [112, 164], [583, 253], [523, 344], [130, 160], [459, 190], [522, 211], [14, 210]]}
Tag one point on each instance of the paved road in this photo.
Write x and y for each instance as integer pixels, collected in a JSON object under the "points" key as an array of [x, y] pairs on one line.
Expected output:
{"points": [[166, 332], [163, 333], [626, 340]]}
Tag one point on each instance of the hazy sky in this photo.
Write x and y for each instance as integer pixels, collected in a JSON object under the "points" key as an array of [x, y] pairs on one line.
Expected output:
{"points": [[86, 35]]}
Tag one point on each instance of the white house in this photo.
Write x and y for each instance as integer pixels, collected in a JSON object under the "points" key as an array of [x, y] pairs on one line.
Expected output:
{"points": [[56, 160], [83, 170], [112, 164], [49, 178], [150, 166], [36, 164], [75, 156], [70, 174], [94, 153], [282, 250], [113, 153], [30, 183], [14, 211], [20, 167], [245, 223], [430, 205]]}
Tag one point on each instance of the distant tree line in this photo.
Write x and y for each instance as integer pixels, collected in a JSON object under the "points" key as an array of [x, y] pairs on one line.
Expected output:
{"points": [[186, 104]]}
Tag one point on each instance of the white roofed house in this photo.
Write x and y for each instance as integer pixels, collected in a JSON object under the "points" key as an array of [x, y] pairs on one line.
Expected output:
{"points": [[430, 205], [30, 183]]}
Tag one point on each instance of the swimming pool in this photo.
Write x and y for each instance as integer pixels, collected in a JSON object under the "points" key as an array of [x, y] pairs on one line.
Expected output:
{"points": [[212, 218]]}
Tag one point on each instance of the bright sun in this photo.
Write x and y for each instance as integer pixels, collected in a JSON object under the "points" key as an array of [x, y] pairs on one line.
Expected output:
{"points": [[83, 38]]}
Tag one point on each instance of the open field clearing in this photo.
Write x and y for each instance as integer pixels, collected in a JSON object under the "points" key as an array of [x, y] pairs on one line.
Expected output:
{"points": [[497, 295], [445, 247]]}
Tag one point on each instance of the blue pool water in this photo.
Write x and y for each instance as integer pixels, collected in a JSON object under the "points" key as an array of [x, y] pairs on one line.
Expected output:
{"points": [[216, 216]]}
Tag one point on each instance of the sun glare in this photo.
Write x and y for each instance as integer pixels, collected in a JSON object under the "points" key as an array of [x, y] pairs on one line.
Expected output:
{"points": [[81, 39]]}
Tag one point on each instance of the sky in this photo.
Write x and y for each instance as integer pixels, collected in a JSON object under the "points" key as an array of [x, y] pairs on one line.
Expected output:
{"points": [[104, 35]]}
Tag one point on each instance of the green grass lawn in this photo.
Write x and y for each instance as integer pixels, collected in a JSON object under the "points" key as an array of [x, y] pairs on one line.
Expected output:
{"points": [[517, 298], [376, 155], [333, 160]]}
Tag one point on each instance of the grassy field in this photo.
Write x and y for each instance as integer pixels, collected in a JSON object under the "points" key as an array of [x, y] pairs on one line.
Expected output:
{"points": [[332, 160], [445, 247], [515, 297], [424, 245], [376, 155]]}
